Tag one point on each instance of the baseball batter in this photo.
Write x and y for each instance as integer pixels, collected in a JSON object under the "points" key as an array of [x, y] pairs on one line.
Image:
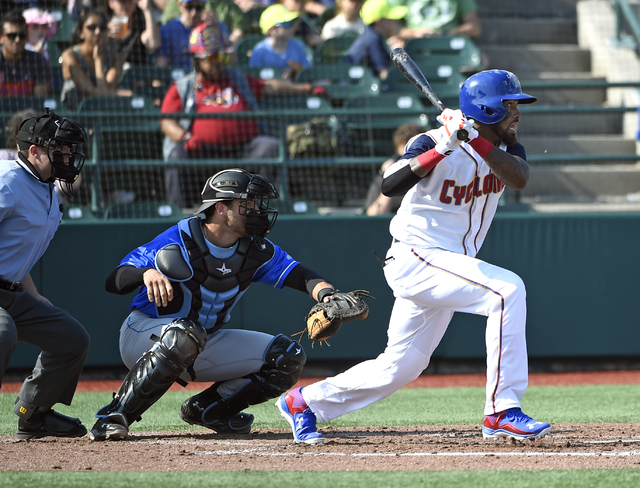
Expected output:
{"points": [[451, 189]]}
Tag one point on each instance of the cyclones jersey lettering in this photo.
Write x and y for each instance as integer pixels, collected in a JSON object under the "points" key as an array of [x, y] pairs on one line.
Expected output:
{"points": [[453, 206], [457, 194]]}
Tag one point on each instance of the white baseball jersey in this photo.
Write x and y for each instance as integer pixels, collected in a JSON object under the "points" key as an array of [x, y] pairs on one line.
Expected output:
{"points": [[453, 207], [433, 272]]}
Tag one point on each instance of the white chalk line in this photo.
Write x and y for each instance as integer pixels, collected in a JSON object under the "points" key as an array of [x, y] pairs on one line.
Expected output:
{"points": [[257, 452]]}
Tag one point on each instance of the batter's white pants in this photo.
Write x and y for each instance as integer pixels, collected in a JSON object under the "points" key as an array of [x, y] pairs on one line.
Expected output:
{"points": [[228, 355], [429, 286]]}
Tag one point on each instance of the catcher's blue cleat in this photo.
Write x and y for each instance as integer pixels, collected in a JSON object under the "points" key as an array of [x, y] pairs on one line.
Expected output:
{"points": [[513, 423], [300, 417]]}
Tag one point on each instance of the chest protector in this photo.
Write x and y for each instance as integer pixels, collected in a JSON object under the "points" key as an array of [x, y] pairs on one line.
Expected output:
{"points": [[215, 274]]}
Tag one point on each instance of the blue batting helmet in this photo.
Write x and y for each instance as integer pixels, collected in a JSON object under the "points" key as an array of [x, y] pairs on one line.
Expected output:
{"points": [[482, 96]]}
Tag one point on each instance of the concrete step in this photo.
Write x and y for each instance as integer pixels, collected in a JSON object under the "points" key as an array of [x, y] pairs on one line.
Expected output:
{"points": [[517, 31], [569, 122], [549, 145], [527, 61], [581, 182], [539, 8], [550, 95]]}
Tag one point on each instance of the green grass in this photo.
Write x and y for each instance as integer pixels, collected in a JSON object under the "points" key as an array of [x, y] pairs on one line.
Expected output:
{"points": [[411, 406], [333, 479], [421, 406]]}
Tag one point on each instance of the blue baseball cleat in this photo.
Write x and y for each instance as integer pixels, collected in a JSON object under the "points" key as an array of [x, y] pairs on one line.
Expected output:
{"points": [[513, 423], [302, 420]]}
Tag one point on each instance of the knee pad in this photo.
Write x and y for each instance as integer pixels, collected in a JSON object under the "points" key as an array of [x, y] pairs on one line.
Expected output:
{"points": [[153, 374], [283, 363]]}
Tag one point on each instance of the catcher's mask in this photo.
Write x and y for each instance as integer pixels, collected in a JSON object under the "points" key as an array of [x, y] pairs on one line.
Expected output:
{"points": [[482, 95], [254, 192], [53, 133]]}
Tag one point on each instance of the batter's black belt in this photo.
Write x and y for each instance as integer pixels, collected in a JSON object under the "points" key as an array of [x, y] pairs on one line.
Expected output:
{"points": [[10, 285]]}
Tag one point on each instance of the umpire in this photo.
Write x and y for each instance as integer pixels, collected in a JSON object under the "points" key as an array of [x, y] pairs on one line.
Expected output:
{"points": [[30, 213]]}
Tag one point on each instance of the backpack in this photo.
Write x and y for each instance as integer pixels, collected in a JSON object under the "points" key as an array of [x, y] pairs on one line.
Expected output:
{"points": [[311, 139]]}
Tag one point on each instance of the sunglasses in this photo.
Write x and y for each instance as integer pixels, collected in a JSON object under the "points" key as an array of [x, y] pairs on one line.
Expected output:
{"points": [[93, 27], [220, 57], [197, 7], [286, 25], [12, 36]]}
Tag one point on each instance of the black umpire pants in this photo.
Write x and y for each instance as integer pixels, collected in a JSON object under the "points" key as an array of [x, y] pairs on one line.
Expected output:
{"points": [[63, 341]]}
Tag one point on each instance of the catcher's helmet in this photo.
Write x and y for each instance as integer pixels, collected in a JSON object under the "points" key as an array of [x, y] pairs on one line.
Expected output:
{"points": [[253, 191], [52, 132], [209, 38], [482, 95]]}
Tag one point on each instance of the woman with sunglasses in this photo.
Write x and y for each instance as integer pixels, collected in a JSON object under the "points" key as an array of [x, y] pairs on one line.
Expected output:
{"points": [[90, 67]]}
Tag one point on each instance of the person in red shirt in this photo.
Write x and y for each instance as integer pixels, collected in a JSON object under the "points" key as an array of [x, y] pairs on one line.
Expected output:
{"points": [[213, 87]]}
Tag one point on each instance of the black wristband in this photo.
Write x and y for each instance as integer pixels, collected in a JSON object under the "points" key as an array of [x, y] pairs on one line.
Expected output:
{"points": [[325, 292]]}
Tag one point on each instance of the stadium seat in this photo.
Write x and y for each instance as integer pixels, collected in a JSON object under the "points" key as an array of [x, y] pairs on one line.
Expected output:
{"points": [[444, 79], [77, 213], [143, 210], [305, 107], [334, 49], [10, 105], [457, 51], [342, 81], [122, 136], [244, 47], [367, 134], [264, 72], [150, 81]]}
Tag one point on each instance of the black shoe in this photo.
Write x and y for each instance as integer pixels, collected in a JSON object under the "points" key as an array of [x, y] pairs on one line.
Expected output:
{"points": [[113, 427], [44, 424], [191, 412]]}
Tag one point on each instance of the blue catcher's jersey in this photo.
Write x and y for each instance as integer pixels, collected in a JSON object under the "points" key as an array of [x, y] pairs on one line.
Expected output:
{"points": [[207, 280]]}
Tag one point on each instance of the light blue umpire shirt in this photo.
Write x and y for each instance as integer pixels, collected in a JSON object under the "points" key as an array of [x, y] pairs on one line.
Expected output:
{"points": [[30, 214]]}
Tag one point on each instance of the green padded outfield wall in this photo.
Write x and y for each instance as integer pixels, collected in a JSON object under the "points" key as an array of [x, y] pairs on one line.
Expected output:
{"points": [[581, 272]]}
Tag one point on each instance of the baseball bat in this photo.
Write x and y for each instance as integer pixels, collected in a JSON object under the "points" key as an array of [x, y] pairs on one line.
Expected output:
{"points": [[410, 70]]}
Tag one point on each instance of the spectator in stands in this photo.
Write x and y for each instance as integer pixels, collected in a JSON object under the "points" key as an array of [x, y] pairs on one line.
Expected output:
{"points": [[280, 50], [22, 72], [347, 20], [441, 17], [226, 11], [214, 88], [376, 203], [91, 66], [304, 29], [134, 30], [174, 47], [41, 27], [10, 150], [370, 49]]}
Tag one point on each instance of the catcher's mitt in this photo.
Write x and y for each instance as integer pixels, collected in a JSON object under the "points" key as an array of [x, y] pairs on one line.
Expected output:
{"points": [[326, 318]]}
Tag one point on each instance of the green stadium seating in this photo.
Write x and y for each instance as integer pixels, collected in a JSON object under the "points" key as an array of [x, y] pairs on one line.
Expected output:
{"points": [[457, 51], [244, 47], [143, 210], [342, 81], [150, 81], [368, 135], [334, 49]]}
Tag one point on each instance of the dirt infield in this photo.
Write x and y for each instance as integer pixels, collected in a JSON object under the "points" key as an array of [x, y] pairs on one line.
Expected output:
{"points": [[569, 446]]}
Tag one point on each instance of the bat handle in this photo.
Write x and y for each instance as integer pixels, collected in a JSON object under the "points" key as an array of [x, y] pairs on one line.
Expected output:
{"points": [[463, 135]]}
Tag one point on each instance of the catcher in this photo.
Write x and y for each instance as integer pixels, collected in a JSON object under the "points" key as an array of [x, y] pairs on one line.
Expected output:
{"points": [[188, 280]]}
